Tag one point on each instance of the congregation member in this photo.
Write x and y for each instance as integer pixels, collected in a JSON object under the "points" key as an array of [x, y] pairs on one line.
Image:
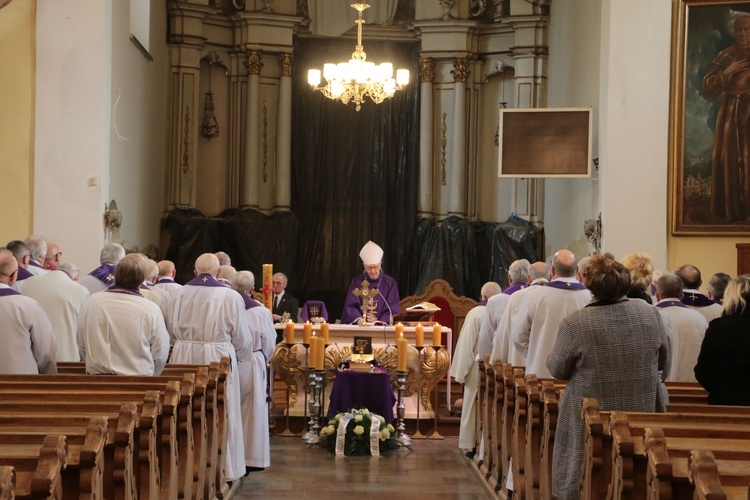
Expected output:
{"points": [[518, 273], [611, 350], [692, 297], [120, 332], [62, 299], [37, 246], [165, 281], [73, 271], [253, 375], [465, 369], [21, 253], [29, 345], [283, 302], [103, 276], [641, 269], [723, 366], [224, 259], [535, 332], [503, 349], [686, 328], [385, 300], [207, 321], [225, 275], [716, 287], [53, 257]]}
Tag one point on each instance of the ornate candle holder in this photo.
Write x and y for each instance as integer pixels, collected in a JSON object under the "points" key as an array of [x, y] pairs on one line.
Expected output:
{"points": [[420, 381], [317, 407], [310, 435], [438, 367], [286, 364], [401, 408]]}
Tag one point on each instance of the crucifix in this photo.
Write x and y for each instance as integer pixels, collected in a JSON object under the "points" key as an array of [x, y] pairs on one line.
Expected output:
{"points": [[367, 296]]}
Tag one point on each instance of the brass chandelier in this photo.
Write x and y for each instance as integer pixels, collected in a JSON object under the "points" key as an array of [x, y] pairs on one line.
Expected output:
{"points": [[353, 80]]}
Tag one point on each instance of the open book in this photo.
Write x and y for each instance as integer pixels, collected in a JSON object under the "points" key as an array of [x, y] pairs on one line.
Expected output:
{"points": [[424, 306]]}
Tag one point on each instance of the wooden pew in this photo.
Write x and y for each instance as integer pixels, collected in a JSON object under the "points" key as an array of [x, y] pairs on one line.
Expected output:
{"points": [[496, 424], [38, 469], [489, 451], [7, 482]]}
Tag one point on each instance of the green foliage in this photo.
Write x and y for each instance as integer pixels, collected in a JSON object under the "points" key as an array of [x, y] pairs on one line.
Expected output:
{"points": [[357, 437]]}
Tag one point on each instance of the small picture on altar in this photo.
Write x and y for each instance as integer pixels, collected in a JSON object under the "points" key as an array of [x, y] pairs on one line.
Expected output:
{"points": [[362, 345]]}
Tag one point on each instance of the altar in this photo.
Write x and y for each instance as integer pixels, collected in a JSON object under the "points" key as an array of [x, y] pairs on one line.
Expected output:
{"points": [[426, 365]]}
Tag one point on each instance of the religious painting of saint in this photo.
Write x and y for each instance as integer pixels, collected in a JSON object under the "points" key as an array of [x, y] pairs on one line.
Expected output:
{"points": [[710, 118]]}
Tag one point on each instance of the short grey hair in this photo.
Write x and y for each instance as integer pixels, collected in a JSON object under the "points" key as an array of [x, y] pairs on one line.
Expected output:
{"points": [[70, 268], [112, 253], [224, 259], [37, 247], [227, 272], [490, 288], [243, 282], [519, 271], [207, 263], [280, 275]]}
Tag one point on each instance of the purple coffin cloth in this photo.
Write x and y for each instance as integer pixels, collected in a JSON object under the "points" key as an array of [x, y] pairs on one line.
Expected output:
{"points": [[304, 314], [362, 390]]}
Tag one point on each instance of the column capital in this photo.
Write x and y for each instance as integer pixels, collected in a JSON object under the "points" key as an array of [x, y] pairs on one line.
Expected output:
{"points": [[285, 61], [426, 69], [253, 63], [461, 70]]}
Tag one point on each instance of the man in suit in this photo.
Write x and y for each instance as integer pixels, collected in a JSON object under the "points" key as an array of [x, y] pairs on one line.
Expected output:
{"points": [[282, 301]]}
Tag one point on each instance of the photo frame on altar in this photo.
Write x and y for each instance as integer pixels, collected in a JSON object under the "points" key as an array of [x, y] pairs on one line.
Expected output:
{"points": [[362, 348], [709, 171]]}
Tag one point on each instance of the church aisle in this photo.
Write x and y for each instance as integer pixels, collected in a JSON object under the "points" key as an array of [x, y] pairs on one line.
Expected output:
{"points": [[434, 469]]}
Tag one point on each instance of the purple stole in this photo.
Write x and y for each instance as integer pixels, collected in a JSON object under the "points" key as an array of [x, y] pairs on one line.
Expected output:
{"points": [[671, 303], [566, 285], [204, 280], [482, 303], [122, 289], [23, 274], [513, 288], [249, 301], [225, 282], [35, 264], [4, 292], [105, 273], [144, 286], [164, 280], [695, 299]]}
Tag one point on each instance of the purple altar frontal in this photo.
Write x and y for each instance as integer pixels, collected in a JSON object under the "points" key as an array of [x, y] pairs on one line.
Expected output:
{"points": [[362, 390]]}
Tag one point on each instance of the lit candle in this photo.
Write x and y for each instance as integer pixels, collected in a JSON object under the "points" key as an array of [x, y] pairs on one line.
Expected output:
{"points": [[403, 347], [437, 333], [289, 332], [419, 331], [312, 352], [324, 331], [306, 332], [399, 331], [321, 354]]}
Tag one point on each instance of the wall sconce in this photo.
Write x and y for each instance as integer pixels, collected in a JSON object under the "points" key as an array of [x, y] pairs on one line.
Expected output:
{"points": [[112, 217], [592, 228]]}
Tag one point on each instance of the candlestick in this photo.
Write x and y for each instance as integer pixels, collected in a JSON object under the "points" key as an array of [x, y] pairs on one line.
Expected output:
{"points": [[399, 331], [401, 408], [419, 331], [306, 332], [289, 332], [437, 333], [403, 347], [324, 331]]}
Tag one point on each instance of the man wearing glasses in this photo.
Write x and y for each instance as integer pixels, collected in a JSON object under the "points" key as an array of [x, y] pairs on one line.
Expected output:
{"points": [[283, 303]]}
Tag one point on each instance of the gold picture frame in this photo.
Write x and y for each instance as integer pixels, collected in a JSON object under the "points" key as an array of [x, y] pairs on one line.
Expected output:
{"points": [[709, 186]]}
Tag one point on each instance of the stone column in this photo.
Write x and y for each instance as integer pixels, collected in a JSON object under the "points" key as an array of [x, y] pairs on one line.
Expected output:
{"points": [[284, 135], [426, 151], [250, 172], [457, 186]]}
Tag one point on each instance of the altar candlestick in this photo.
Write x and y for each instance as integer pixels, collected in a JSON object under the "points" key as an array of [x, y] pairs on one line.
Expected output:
{"points": [[324, 331], [399, 331], [403, 347], [437, 333], [306, 332], [419, 331], [289, 332]]}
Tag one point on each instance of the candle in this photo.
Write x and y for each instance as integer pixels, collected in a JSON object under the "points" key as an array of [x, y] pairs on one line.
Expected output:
{"points": [[306, 332], [267, 292], [399, 331], [403, 348], [312, 352], [324, 331], [289, 332], [321, 359], [419, 331], [437, 333]]}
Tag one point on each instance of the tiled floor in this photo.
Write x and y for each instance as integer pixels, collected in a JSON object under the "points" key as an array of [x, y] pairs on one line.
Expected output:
{"points": [[434, 469]]}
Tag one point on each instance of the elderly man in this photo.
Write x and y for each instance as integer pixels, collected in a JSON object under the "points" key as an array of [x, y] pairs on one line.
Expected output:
{"points": [[518, 280], [465, 369], [692, 297], [717, 285], [165, 281], [62, 300], [22, 255], [535, 333], [283, 302], [685, 327], [29, 344], [53, 257], [253, 378], [120, 332], [382, 289], [225, 275], [37, 253], [104, 276], [224, 259], [207, 321]]}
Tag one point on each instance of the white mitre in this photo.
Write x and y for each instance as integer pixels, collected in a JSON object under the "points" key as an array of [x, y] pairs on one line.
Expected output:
{"points": [[371, 254]]}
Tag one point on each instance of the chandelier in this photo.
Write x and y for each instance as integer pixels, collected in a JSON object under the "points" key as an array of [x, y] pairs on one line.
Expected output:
{"points": [[353, 80]]}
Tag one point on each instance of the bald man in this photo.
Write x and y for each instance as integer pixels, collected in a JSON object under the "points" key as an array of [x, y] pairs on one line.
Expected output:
{"points": [[694, 298], [165, 282], [535, 332]]}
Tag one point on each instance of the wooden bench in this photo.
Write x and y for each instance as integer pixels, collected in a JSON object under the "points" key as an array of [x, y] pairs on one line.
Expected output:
{"points": [[705, 475], [38, 468], [7, 482]]}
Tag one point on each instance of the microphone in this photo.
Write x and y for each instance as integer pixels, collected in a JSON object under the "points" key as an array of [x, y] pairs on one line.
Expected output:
{"points": [[390, 313]]}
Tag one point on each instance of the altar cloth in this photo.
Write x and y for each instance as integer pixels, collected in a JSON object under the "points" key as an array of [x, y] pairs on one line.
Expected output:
{"points": [[362, 390]]}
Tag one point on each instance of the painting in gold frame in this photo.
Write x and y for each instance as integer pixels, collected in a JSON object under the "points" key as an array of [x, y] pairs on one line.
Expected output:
{"points": [[710, 118]]}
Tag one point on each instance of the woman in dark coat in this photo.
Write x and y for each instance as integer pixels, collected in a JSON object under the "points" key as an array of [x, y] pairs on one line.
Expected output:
{"points": [[612, 350], [723, 367]]}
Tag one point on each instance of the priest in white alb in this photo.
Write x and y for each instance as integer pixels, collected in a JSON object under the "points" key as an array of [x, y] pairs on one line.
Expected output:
{"points": [[207, 321]]}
